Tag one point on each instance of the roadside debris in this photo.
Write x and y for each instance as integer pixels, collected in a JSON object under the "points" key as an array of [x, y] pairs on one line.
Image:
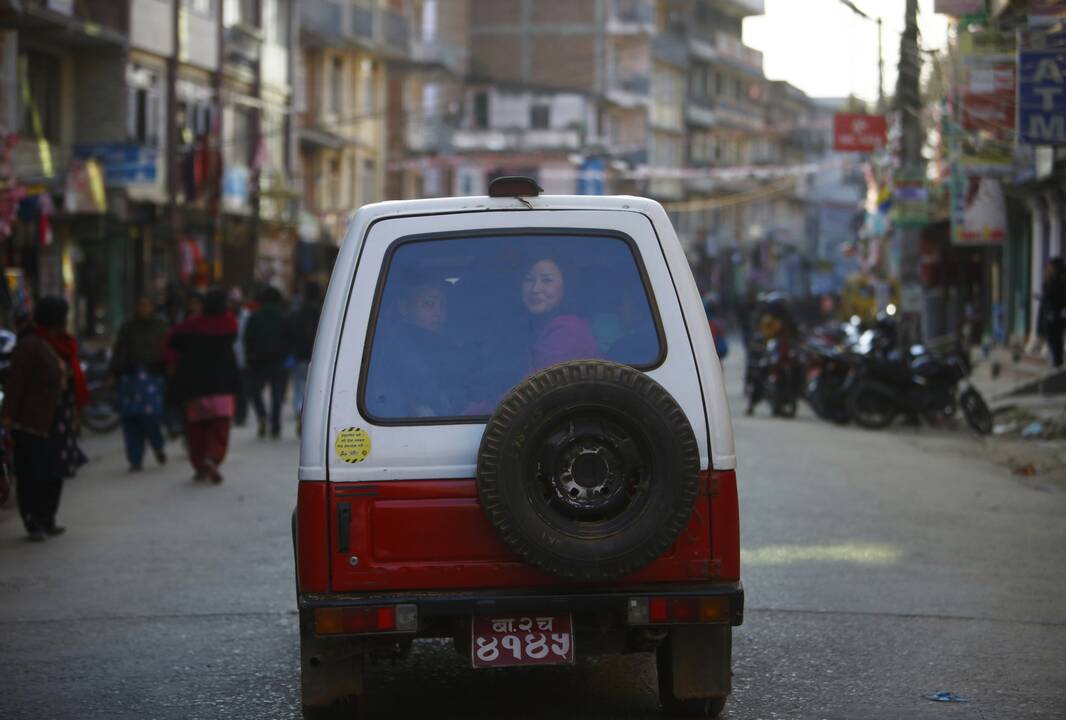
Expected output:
{"points": [[1026, 469], [1034, 429], [945, 696], [1022, 423]]}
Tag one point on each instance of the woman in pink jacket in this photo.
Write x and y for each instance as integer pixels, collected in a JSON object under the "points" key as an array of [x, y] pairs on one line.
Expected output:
{"points": [[556, 334]]}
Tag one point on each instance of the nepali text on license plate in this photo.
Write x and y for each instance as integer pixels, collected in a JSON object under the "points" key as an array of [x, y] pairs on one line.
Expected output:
{"points": [[525, 640]]}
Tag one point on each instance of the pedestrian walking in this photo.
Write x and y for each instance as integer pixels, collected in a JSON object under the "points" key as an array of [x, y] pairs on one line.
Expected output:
{"points": [[266, 351], [44, 386], [300, 327], [138, 370], [206, 382], [1051, 318]]}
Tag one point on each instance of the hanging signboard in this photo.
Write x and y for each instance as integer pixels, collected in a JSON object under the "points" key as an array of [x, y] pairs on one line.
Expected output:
{"points": [[988, 114], [859, 133], [987, 101], [1042, 90], [978, 45]]}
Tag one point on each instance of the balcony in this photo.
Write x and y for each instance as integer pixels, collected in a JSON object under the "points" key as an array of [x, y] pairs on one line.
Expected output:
{"points": [[322, 17], [629, 88], [244, 45], [87, 22], [703, 48], [428, 135], [700, 112], [670, 49], [516, 140], [733, 51], [631, 17], [743, 8], [439, 54]]}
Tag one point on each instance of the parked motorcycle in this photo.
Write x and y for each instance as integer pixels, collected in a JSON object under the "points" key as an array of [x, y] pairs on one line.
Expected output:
{"points": [[919, 384], [829, 375]]}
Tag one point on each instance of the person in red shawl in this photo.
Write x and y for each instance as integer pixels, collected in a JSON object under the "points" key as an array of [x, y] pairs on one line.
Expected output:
{"points": [[45, 386], [205, 383]]}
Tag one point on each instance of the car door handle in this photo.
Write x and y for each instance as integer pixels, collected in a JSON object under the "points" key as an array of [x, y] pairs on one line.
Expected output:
{"points": [[344, 526]]}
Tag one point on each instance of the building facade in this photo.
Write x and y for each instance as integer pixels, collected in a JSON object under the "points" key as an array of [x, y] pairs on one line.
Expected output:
{"points": [[150, 150]]}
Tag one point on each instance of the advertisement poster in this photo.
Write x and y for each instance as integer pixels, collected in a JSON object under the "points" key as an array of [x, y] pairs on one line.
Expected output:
{"points": [[979, 212], [988, 103]]}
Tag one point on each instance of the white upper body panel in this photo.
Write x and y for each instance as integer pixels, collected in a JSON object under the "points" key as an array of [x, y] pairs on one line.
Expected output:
{"points": [[428, 451]]}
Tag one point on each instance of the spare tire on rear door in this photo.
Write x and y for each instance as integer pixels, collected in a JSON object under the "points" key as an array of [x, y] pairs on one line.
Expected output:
{"points": [[589, 470]]}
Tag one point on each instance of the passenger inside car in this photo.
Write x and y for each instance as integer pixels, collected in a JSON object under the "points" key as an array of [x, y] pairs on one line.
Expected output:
{"points": [[414, 344], [556, 332]]}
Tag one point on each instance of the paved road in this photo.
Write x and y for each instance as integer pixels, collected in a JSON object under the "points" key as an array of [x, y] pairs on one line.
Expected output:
{"points": [[879, 567]]}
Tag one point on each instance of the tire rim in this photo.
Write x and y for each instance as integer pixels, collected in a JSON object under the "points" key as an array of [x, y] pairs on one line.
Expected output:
{"points": [[592, 470]]}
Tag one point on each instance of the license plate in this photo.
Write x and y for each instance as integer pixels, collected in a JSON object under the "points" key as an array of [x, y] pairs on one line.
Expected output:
{"points": [[523, 640]]}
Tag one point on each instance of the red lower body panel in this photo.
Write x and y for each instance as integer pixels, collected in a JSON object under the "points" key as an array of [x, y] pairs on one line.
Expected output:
{"points": [[432, 535]]}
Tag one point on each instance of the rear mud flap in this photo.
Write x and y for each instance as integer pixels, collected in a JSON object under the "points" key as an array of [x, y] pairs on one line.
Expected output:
{"points": [[701, 661], [330, 669]]}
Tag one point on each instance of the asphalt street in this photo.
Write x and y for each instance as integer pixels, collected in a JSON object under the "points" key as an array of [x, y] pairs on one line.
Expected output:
{"points": [[879, 568]]}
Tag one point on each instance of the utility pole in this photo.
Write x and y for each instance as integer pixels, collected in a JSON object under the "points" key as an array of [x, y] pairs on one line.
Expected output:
{"points": [[880, 50], [908, 104]]}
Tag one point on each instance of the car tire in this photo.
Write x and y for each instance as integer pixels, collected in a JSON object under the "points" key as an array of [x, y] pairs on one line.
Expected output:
{"points": [[588, 470]]}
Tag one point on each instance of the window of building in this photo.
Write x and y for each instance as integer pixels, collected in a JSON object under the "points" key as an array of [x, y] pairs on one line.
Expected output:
{"points": [[336, 86], [144, 107], [40, 117], [481, 109], [432, 182], [451, 333], [367, 89], [239, 11], [429, 20], [540, 116]]}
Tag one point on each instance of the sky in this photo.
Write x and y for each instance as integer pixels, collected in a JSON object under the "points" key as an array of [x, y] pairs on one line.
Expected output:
{"points": [[826, 50]]}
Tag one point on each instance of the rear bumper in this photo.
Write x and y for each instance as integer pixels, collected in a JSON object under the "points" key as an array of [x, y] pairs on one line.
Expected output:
{"points": [[525, 601]]}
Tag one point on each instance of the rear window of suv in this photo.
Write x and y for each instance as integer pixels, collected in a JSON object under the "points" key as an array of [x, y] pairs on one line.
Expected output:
{"points": [[458, 320]]}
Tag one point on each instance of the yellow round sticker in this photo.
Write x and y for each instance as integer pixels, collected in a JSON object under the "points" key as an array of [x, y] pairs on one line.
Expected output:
{"points": [[352, 445]]}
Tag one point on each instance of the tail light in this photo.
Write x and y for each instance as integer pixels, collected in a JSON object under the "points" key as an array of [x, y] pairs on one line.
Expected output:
{"points": [[366, 620], [677, 610]]}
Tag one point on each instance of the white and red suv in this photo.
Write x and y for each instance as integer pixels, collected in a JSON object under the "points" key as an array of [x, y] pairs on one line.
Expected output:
{"points": [[516, 435]]}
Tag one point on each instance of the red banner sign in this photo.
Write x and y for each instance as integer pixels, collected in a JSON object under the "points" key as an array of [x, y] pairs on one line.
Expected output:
{"points": [[859, 133]]}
